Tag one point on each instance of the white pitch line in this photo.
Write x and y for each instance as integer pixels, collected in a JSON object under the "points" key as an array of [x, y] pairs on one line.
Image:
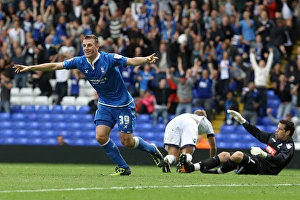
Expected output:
{"points": [[143, 187]]}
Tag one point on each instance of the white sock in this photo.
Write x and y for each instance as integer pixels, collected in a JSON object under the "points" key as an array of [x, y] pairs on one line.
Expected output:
{"points": [[220, 171], [171, 159], [197, 166], [136, 142], [189, 157]]}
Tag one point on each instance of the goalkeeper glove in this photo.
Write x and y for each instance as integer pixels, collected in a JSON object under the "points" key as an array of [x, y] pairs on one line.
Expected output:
{"points": [[256, 151], [237, 116]]}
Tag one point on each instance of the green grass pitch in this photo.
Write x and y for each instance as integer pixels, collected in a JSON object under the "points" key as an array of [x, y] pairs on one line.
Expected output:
{"points": [[74, 181]]}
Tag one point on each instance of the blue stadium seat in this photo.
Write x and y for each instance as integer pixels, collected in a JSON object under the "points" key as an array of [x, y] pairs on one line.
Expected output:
{"points": [[89, 126], [45, 126], [19, 125], [238, 145], [227, 129], [87, 118], [149, 135], [29, 109], [57, 109], [34, 133], [83, 109], [48, 134], [6, 133], [271, 94], [16, 108], [21, 141], [271, 128], [31, 117], [241, 130], [36, 141], [144, 126], [18, 117], [264, 121], [43, 109], [20, 133], [197, 108], [233, 137], [45, 117], [74, 126], [159, 127], [32, 125], [4, 117], [88, 134], [59, 117], [74, 117], [92, 142], [248, 138], [171, 117], [143, 118], [60, 126], [6, 125], [70, 109], [273, 103], [49, 142], [8, 140]]}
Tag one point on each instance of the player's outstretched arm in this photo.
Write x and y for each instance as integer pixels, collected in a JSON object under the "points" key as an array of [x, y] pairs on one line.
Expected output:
{"points": [[141, 60], [41, 67]]}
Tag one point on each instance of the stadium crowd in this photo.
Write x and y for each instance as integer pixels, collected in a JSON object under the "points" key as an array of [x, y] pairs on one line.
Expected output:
{"points": [[204, 50]]}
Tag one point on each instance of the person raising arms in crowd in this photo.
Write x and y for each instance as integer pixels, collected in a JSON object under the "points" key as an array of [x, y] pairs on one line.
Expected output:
{"points": [[115, 104]]}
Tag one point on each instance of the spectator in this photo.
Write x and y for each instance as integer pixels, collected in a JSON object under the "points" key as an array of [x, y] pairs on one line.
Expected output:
{"points": [[19, 57], [230, 103], [93, 104], [144, 76], [262, 70], [203, 93], [184, 84], [162, 102], [146, 103], [16, 33], [247, 27], [74, 77], [61, 141], [42, 81], [6, 85], [250, 98]]}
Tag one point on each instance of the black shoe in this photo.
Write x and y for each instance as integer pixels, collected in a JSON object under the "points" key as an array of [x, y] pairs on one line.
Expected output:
{"points": [[121, 172], [183, 166], [157, 157], [166, 166]]}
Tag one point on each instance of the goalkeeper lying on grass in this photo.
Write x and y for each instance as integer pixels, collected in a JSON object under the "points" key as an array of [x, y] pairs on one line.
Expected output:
{"points": [[278, 153]]}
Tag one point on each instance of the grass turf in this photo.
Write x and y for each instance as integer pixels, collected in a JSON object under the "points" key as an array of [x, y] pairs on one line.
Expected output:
{"points": [[57, 181]]}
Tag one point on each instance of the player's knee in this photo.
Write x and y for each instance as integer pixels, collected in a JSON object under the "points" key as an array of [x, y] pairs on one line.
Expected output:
{"points": [[237, 156], [101, 139], [224, 156], [127, 142]]}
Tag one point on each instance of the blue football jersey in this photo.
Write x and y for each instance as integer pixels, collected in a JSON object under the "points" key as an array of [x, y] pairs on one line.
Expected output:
{"points": [[105, 77]]}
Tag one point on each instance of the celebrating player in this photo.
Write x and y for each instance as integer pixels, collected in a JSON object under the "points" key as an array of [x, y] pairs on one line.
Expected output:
{"points": [[115, 104]]}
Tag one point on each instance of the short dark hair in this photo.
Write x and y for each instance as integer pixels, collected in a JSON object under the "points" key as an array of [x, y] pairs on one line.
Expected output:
{"points": [[91, 37], [289, 126]]}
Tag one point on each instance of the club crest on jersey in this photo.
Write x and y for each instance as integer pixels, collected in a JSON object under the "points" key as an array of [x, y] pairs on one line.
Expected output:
{"points": [[86, 71], [117, 56], [288, 146], [102, 70]]}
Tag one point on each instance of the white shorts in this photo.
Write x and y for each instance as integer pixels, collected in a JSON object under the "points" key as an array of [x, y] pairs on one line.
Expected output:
{"points": [[181, 132]]}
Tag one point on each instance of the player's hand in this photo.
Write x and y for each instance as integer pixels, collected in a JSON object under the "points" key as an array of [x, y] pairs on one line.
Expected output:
{"points": [[152, 58], [256, 151], [20, 68], [237, 116]]}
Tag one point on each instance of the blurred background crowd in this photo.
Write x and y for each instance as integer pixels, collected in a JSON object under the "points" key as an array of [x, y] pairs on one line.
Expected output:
{"points": [[204, 49]]}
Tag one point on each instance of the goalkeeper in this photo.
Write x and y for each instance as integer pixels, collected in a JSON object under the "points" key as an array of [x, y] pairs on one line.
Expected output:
{"points": [[278, 153]]}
